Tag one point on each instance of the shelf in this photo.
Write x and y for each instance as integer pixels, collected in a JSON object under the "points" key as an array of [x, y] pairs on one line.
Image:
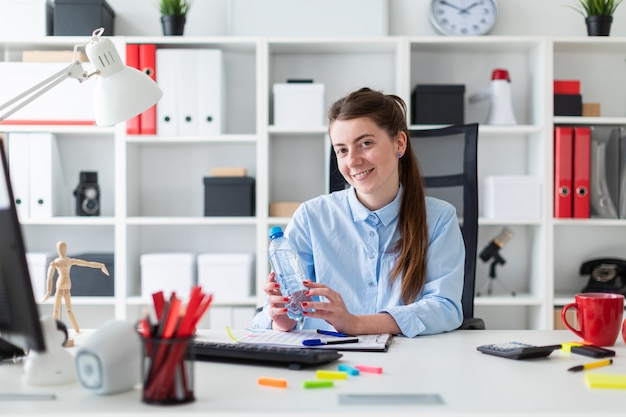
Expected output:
{"points": [[153, 186]]}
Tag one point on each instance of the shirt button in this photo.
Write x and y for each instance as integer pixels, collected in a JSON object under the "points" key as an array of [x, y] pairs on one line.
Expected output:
{"points": [[372, 256], [371, 284], [372, 234]]}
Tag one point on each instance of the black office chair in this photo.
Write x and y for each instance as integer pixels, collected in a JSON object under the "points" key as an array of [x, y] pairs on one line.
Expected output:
{"points": [[448, 160]]}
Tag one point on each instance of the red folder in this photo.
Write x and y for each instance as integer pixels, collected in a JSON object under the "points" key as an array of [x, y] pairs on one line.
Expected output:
{"points": [[133, 126], [582, 172], [563, 159], [147, 62]]}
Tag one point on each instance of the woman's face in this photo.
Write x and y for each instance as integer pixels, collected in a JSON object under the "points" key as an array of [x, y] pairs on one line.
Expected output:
{"points": [[368, 159]]}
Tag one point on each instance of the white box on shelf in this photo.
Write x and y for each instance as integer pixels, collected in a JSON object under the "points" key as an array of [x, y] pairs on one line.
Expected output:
{"points": [[34, 25], [226, 275], [167, 272], [298, 105], [38, 270], [308, 18], [507, 196]]}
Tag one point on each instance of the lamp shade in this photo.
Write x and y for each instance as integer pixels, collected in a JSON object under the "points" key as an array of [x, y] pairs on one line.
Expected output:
{"points": [[121, 92]]}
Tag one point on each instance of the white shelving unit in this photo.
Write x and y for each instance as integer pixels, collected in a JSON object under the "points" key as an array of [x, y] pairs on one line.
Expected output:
{"points": [[152, 190]]}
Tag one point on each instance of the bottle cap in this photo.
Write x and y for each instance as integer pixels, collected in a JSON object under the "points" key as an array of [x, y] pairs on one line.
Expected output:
{"points": [[500, 74], [275, 231]]}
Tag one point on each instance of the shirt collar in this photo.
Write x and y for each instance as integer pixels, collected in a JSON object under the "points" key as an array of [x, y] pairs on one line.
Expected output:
{"points": [[386, 215]]}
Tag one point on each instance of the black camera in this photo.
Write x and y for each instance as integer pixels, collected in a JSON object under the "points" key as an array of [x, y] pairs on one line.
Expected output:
{"points": [[87, 194]]}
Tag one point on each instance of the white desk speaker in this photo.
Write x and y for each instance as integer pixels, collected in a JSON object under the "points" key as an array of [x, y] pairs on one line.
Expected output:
{"points": [[108, 361]]}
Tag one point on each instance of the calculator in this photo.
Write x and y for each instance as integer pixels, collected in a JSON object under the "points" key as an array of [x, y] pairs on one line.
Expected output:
{"points": [[517, 350]]}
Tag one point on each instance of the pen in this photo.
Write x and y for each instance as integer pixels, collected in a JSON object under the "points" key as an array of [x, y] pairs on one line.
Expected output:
{"points": [[319, 342], [329, 333], [591, 365]]}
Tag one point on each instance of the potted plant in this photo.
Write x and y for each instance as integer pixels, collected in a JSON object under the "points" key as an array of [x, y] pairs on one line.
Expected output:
{"points": [[598, 15], [173, 16]]}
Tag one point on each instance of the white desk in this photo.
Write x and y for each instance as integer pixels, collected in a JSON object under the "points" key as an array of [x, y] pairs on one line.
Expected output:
{"points": [[470, 384]]}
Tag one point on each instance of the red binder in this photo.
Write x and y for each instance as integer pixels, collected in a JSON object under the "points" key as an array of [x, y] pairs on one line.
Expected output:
{"points": [[147, 62], [582, 172], [563, 159], [133, 126]]}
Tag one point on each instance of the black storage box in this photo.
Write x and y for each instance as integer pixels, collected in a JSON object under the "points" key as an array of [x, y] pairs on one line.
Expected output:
{"points": [[568, 105], [229, 196], [438, 104], [79, 17], [87, 281]]}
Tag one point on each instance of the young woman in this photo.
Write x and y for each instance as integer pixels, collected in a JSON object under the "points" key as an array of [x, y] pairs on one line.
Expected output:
{"points": [[381, 257]]}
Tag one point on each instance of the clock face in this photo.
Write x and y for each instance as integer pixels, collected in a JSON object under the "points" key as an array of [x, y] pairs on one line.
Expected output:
{"points": [[463, 17]]}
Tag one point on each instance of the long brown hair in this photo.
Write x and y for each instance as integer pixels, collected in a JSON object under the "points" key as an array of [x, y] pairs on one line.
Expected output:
{"points": [[389, 111]]}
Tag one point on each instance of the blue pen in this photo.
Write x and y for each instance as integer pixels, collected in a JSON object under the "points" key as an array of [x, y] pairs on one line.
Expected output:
{"points": [[329, 333], [319, 342]]}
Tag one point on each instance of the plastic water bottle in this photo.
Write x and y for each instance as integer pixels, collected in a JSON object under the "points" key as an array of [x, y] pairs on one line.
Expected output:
{"points": [[289, 272]]}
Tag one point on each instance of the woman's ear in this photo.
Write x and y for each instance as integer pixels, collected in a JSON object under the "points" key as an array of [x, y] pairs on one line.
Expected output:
{"points": [[401, 143]]}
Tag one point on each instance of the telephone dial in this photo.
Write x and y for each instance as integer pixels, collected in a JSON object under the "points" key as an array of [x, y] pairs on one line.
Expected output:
{"points": [[605, 275]]}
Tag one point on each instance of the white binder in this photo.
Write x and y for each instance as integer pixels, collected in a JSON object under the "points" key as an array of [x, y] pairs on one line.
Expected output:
{"points": [[19, 170], [48, 190], [188, 73], [166, 77], [211, 95]]}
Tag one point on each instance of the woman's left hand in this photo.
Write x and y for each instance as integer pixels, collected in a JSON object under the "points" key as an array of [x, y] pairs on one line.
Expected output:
{"points": [[334, 310]]}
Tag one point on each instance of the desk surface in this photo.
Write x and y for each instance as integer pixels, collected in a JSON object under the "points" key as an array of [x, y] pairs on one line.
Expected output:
{"points": [[469, 383]]}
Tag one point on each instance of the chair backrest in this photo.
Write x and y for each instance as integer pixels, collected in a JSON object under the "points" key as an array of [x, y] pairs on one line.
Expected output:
{"points": [[448, 160]]}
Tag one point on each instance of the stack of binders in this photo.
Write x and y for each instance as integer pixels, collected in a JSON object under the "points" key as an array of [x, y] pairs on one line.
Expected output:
{"points": [[192, 81], [587, 176]]}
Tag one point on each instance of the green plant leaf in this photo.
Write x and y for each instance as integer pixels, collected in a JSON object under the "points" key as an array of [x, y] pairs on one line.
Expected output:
{"points": [[174, 7], [597, 7]]}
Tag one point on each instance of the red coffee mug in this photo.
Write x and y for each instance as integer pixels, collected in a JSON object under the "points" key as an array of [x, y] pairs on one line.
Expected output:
{"points": [[599, 317]]}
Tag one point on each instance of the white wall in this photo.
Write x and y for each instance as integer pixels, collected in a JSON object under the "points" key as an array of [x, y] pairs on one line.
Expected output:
{"points": [[406, 17]]}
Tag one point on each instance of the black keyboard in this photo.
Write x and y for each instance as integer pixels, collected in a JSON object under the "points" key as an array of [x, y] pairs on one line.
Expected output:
{"points": [[292, 357]]}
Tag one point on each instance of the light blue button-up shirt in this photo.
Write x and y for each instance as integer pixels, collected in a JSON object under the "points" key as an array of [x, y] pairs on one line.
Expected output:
{"points": [[347, 247]]}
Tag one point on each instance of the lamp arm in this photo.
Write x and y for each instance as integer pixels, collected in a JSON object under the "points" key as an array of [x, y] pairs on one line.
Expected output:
{"points": [[74, 70]]}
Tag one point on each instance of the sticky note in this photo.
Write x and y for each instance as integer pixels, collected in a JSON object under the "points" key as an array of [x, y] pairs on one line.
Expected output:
{"points": [[567, 347], [370, 369], [320, 383], [272, 382], [322, 374], [595, 380]]}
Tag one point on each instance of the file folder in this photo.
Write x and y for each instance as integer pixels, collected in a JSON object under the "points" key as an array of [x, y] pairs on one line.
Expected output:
{"points": [[604, 178], [211, 95], [582, 172], [147, 64], [133, 125], [187, 80], [19, 170], [167, 73], [563, 160], [48, 192], [622, 174]]}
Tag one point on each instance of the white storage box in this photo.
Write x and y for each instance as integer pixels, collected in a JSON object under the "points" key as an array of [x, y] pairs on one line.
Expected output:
{"points": [[70, 102], [167, 272], [299, 105], [510, 196], [309, 18], [38, 269], [226, 275], [13, 21]]}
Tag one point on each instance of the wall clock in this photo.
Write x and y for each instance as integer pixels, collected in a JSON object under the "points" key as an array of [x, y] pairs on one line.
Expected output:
{"points": [[463, 17]]}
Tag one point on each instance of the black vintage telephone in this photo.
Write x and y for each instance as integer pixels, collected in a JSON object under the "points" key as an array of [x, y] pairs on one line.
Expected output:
{"points": [[605, 275]]}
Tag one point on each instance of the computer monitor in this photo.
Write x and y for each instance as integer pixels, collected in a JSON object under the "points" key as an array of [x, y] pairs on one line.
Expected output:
{"points": [[19, 317]]}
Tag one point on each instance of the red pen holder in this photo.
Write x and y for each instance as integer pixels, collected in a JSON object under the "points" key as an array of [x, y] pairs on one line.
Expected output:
{"points": [[167, 371]]}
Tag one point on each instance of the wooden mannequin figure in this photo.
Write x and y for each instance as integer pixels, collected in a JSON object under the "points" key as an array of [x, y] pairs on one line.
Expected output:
{"points": [[62, 266]]}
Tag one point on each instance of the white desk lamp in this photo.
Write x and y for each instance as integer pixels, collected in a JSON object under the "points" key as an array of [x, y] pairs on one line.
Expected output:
{"points": [[121, 92]]}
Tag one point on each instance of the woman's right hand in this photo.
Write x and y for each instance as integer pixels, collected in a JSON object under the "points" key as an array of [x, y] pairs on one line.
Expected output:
{"points": [[277, 310]]}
